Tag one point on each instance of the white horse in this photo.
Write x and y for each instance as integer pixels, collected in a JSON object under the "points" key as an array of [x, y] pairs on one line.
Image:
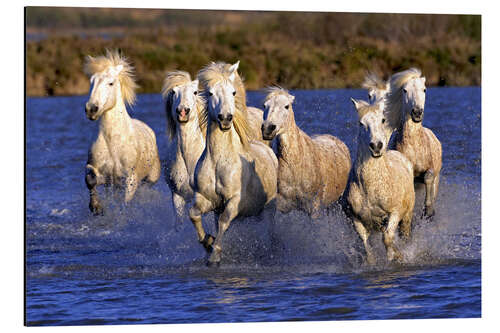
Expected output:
{"points": [[236, 176], [313, 172], [186, 127], [377, 88], [125, 151], [381, 192], [405, 113]]}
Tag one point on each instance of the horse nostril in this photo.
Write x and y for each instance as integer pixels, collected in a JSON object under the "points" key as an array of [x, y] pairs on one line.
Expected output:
{"points": [[187, 110], [220, 117], [93, 109], [379, 145], [272, 127], [229, 117], [372, 145]]}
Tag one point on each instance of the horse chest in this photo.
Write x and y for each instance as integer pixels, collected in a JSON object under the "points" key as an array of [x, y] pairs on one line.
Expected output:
{"points": [[368, 202], [416, 149]]}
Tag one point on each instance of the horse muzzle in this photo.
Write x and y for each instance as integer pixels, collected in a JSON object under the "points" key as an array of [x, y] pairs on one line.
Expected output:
{"points": [[268, 132], [376, 149], [225, 122], [182, 114], [91, 111], [417, 115]]}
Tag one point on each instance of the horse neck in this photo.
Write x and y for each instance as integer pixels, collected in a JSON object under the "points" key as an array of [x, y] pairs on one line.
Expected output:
{"points": [[408, 129], [287, 140], [220, 143], [190, 139], [116, 120], [367, 165]]}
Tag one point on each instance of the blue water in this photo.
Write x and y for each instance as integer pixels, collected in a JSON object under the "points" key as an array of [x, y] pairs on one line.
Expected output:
{"points": [[133, 266]]}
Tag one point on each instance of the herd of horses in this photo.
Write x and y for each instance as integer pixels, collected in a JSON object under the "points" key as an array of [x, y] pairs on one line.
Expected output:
{"points": [[237, 160]]}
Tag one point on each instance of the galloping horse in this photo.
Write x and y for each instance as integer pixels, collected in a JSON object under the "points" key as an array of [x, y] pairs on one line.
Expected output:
{"points": [[186, 126], [125, 151], [236, 175], [313, 171], [381, 192], [405, 113]]}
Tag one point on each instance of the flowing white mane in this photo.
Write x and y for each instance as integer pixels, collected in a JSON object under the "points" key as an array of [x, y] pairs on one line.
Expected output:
{"points": [[394, 98], [373, 81], [214, 73], [126, 75], [275, 91]]}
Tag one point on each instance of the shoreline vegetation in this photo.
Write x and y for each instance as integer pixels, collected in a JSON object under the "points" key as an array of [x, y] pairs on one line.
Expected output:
{"points": [[298, 50]]}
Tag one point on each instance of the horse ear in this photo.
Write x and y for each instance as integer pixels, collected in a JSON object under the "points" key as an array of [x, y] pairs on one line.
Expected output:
{"points": [[233, 70], [423, 79], [195, 84], [175, 89], [356, 103], [291, 98], [234, 67]]}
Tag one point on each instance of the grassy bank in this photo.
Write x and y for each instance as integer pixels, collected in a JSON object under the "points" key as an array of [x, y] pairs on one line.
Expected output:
{"points": [[296, 50]]}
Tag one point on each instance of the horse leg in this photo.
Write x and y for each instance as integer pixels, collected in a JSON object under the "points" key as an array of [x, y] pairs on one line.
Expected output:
{"points": [[405, 226], [389, 233], [93, 180], [315, 209], [230, 212], [364, 234], [200, 207], [131, 185], [435, 188], [179, 206], [154, 173], [429, 202]]}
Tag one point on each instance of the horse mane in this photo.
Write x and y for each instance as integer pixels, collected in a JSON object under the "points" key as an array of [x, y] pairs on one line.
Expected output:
{"points": [[274, 91], [216, 72], [373, 81], [174, 79], [395, 97], [126, 76]]}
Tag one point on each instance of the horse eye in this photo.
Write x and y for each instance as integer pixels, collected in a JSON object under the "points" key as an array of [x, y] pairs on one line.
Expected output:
{"points": [[210, 93], [425, 90], [383, 120], [111, 83], [196, 93], [234, 93], [404, 90], [287, 106]]}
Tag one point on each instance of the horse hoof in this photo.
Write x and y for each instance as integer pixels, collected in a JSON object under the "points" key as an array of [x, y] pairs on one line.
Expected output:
{"points": [[213, 264], [215, 256], [207, 242], [428, 213], [370, 260], [96, 210]]}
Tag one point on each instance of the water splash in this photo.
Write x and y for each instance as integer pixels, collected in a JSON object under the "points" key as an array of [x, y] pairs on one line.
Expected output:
{"points": [[143, 237]]}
